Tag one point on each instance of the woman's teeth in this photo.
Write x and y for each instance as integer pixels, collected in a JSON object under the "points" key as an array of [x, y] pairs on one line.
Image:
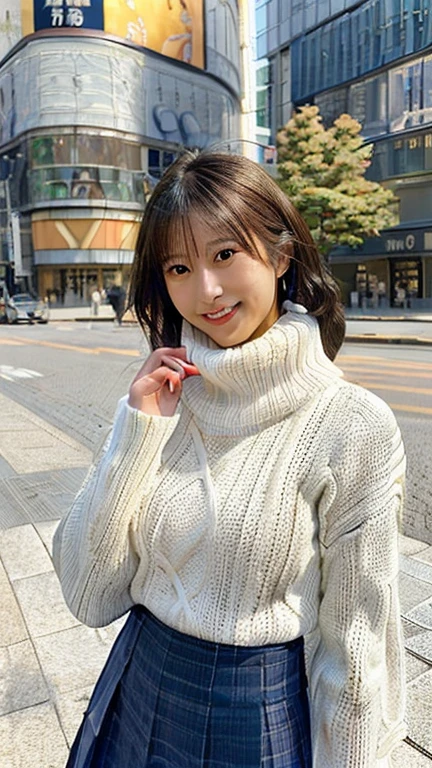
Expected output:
{"points": [[217, 315]]}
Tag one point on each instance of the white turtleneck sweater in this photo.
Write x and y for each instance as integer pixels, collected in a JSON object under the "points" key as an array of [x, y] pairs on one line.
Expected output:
{"points": [[266, 508]]}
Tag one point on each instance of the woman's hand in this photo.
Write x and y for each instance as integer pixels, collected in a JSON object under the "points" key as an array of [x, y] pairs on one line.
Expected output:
{"points": [[156, 388]]}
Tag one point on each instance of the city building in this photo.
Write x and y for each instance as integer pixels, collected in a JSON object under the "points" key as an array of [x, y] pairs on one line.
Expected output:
{"points": [[372, 59], [96, 97]]}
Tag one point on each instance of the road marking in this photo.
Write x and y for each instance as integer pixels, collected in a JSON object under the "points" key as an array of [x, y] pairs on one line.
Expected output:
{"points": [[10, 373], [356, 369], [12, 342], [382, 362], [411, 408], [129, 352], [377, 338], [396, 388], [85, 350]]}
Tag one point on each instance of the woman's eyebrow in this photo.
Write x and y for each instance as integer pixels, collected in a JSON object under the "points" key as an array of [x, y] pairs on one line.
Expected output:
{"points": [[175, 257], [228, 240]]}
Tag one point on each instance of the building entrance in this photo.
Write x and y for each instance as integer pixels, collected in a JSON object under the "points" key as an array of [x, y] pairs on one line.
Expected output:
{"points": [[73, 286], [406, 281]]}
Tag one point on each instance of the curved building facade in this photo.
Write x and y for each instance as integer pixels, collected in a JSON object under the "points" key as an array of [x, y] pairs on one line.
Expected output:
{"points": [[96, 97], [372, 59]]}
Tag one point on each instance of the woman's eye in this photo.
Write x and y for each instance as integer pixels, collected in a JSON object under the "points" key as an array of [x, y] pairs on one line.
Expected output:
{"points": [[225, 254], [178, 269]]}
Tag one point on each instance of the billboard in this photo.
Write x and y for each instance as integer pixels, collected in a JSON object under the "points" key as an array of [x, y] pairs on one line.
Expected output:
{"points": [[174, 28], [87, 14]]}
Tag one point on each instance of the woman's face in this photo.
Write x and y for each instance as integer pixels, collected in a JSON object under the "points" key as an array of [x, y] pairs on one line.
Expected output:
{"points": [[223, 289]]}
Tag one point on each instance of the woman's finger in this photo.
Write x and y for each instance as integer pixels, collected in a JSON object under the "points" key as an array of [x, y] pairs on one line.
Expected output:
{"points": [[173, 363], [158, 378], [182, 366], [156, 357]]}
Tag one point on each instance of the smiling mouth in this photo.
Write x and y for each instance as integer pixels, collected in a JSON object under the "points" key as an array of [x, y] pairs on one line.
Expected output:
{"points": [[223, 314]]}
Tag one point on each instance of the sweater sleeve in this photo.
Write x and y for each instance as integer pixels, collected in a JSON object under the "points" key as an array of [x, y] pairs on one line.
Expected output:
{"points": [[356, 668], [94, 548]]}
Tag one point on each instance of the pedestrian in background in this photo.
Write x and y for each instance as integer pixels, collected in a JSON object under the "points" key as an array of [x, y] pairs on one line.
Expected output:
{"points": [[240, 512], [117, 298], [96, 299]]}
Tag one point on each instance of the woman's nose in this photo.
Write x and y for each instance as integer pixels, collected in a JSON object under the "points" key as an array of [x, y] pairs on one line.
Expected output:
{"points": [[209, 286]]}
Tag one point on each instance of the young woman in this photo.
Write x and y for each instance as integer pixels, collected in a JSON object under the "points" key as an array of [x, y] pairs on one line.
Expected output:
{"points": [[247, 498]]}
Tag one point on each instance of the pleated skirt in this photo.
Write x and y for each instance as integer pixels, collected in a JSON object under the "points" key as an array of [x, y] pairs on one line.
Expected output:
{"points": [[168, 700]]}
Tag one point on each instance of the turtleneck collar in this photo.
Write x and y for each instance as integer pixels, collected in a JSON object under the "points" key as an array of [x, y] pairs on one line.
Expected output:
{"points": [[247, 388]]}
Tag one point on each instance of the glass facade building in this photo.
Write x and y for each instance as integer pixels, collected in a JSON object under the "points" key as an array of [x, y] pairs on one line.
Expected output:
{"points": [[90, 119], [372, 59]]}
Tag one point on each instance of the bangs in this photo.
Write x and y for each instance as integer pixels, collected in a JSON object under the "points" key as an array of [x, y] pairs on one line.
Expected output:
{"points": [[177, 236]]}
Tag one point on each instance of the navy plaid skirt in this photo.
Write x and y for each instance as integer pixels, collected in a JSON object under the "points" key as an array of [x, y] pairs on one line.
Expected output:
{"points": [[167, 700]]}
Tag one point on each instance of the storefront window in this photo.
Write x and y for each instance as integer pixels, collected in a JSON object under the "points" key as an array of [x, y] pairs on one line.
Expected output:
{"points": [[158, 161], [51, 150], [406, 281], [261, 19], [376, 33], [310, 13], [427, 89], [84, 150], [263, 75], [405, 97], [332, 104], [398, 163], [87, 183], [262, 113], [428, 152], [406, 155], [368, 104], [72, 286], [42, 151], [378, 170], [323, 9], [285, 88], [87, 167], [102, 150]]}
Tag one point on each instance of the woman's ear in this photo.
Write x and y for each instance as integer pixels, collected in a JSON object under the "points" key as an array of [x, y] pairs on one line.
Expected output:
{"points": [[284, 261]]}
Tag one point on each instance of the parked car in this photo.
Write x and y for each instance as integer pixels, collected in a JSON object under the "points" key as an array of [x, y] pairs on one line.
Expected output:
{"points": [[8, 312], [29, 308]]}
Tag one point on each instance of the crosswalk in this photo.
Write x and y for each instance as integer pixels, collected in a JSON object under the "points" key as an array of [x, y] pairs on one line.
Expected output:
{"points": [[403, 384], [9, 373]]}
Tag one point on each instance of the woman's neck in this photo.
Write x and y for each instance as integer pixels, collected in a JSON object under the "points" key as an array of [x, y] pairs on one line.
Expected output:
{"points": [[244, 389]]}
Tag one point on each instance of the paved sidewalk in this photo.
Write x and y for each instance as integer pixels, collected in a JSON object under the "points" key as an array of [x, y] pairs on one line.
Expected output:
{"points": [[389, 326], [83, 314], [49, 661]]}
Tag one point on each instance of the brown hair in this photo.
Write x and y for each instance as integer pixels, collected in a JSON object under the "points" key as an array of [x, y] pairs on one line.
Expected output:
{"points": [[236, 196]]}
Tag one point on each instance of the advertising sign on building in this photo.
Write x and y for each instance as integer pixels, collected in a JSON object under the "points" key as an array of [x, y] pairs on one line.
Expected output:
{"points": [[174, 28], [68, 13]]}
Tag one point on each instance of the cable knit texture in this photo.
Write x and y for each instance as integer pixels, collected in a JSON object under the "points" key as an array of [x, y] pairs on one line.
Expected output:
{"points": [[266, 508]]}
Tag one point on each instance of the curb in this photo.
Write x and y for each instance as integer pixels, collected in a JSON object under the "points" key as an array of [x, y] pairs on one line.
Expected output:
{"points": [[390, 318], [376, 338], [127, 321], [94, 320]]}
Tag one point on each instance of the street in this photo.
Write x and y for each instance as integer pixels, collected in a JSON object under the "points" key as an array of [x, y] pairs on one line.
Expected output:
{"points": [[401, 376], [72, 374]]}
